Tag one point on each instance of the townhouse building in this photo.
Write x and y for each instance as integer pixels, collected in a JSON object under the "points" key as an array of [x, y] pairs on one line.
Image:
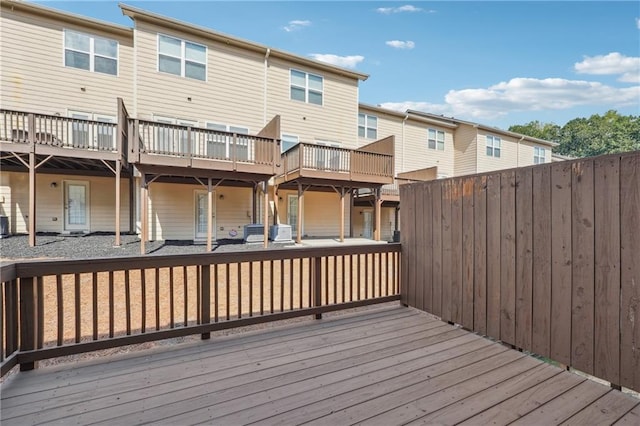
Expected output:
{"points": [[175, 131]]}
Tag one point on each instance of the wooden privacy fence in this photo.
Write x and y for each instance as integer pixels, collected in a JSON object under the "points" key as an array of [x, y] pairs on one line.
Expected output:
{"points": [[58, 308], [546, 258]]}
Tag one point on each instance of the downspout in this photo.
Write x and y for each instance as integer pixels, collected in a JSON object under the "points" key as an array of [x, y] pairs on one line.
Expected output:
{"points": [[403, 121], [266, 66], [518, 156]]}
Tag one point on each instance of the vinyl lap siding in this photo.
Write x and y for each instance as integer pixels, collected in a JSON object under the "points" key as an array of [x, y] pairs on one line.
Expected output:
{"points": [[233, 93], [508, 155], [336, 120], [466, 151], [321, 213], [419, 156], [34, 78], [50, 202], [388, 125]]}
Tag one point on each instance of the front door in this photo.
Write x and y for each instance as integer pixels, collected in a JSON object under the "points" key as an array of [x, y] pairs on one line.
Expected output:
{"points": [[367, 216], [76, 206], [201, 216], [292, 214]]}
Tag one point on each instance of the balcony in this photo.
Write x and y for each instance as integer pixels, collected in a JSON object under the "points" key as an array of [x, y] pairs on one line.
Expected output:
{"points": [[364, 167], [175, 149]]}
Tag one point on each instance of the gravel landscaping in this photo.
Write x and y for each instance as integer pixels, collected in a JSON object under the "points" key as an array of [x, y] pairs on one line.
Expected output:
{"points": [[84, 246]]}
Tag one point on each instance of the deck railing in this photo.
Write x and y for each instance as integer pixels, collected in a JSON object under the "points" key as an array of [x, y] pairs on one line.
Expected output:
{"points": [[195, 142], [58, 308], [65, 132], [323, 158], [546, 258]]}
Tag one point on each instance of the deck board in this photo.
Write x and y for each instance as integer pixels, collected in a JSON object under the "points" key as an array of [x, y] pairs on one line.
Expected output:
{"points": [[387, 365]]}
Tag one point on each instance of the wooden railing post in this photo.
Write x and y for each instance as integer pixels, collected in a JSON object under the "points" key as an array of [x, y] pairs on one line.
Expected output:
{"points": [[317, 284], [205, 298], [27, 319]]}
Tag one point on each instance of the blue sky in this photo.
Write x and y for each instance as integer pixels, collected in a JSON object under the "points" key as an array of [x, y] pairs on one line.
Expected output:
{"points": [[498, 63]]}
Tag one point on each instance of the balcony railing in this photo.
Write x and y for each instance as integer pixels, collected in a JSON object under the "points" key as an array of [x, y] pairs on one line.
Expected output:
{"points": [[57, 308], [310, 160], [196, 143], [22, 128]]}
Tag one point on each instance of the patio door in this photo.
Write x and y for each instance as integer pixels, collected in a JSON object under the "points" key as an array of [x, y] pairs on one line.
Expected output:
{"points": [[367, 217], [76, 206], [292, 214], [201, 216]]}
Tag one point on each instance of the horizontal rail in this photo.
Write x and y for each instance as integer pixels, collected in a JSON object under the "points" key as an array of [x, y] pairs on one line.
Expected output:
{"points": [[64, 307]]}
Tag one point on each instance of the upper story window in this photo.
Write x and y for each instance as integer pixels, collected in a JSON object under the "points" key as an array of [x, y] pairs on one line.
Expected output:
{"points": [[435, 139], [91, 53], [367, 126], [181, 57], [493, 146], [288, 142], [306, 87], [539, 155]]}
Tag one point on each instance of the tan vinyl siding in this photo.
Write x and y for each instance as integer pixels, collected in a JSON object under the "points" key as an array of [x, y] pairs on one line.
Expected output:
{"points": [[172, 211], [320, 211], [466, 151], [388, 125], [50, 202], [387, 220], [336, 120], [526, 152], [508, 153], [233, 93], [34, 78], [419, 156]]}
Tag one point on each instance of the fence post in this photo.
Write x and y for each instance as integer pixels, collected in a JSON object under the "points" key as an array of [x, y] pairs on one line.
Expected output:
{"points": [[205, 298], [27, 319], [317, 284]]}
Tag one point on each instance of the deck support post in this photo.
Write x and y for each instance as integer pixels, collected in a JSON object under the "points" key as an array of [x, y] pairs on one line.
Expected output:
{"points": [[254, 203], [276, 206], [351, 206], [144, 212], [209, 214], [377, 234], [299, 224], [265, 218], [118, 171], [32, 180], [341, 193]]}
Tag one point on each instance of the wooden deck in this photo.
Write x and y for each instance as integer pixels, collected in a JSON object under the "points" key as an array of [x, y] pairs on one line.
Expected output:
{"points": [[388, 365]]}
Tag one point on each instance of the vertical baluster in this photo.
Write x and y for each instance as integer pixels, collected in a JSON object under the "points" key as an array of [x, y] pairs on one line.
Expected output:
{"points": [[359, 282], [326, 279], [127, 300], [290, 284], [198, 293], [250, 289], [157, 282], [366, 276], [351, 278], [94, 282], [239, 281], [60, 307], [215, 293], [111, 306], [261, 287], [335, 279], [143, 299], [343, 278], [281, 285], [228, 290], [3, 287], [172, 318], [185, 289], [300, 281], [271, 279], [40, 315]]}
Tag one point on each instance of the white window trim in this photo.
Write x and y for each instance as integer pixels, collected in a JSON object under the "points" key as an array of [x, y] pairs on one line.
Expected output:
{"points": [[493, 145], [92, 129], [366, 116], [436, 147], [91, 53], [306, 88], [183, 57], [282, 136], [539, 155], [227, 129]]}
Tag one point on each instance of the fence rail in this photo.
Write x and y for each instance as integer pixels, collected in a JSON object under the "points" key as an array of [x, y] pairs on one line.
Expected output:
{"points": [[545, 258], [57, 308]]}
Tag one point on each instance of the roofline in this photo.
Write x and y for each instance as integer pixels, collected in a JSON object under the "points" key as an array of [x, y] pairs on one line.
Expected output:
{"points": [[409, 115], [143, 15], [67, 17], [489, 128]]}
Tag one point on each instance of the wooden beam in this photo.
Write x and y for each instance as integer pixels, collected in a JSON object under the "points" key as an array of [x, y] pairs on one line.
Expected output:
{"points": [[299, 224], [209, 213], [341, 215], [32, 199], [254, 203], [265, 204], [144, 213], [377, 235], [117, 172]]}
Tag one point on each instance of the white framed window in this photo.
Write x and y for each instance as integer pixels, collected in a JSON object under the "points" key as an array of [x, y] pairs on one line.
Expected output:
{"points": [[539, 155], [306, 87], [85, 134], [172, 140], [367, 126], [327, 158], [91, 53], [221, 146], [288, 142], [181, 57], [435, 139], [493, 146]]}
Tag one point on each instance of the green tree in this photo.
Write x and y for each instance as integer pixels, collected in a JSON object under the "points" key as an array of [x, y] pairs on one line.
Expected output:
{"points": [[584, 137]]}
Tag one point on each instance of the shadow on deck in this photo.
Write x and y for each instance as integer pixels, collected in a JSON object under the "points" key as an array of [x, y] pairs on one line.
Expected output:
{"points": [[386, 365]]}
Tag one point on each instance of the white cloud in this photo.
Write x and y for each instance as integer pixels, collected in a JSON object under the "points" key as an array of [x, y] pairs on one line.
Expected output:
{"points": [[340, 61], [398, 44], [525, 94], [614, 63], [638, 23], [296, 24], [406, 8]]}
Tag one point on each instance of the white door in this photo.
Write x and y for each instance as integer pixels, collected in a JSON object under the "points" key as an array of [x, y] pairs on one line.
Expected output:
{"points": [[367, 217], [201, 215], [292, 213], [76, 206]]}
